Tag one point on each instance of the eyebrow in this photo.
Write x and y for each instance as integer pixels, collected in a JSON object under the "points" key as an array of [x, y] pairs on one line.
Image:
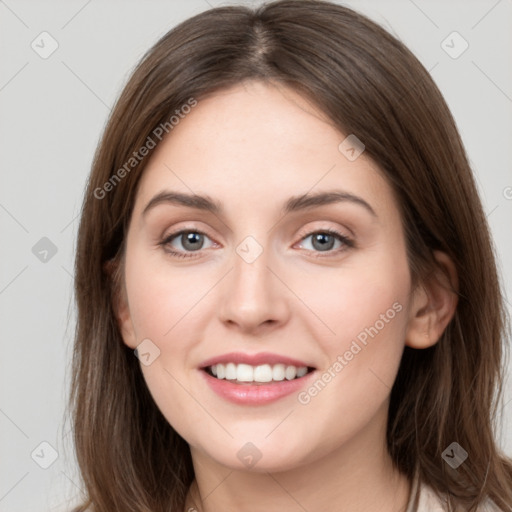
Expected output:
{"points": [[293, 204]]}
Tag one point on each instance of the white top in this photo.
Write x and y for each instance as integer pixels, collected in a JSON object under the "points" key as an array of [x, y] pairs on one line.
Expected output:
{"points": [[429, 501]]}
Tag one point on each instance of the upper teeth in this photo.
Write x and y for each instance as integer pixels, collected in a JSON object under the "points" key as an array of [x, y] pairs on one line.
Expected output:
{"points": [[262, 373]]}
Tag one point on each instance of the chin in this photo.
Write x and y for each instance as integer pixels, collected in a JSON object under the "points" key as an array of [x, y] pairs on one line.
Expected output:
{"points": [[267, 456]]}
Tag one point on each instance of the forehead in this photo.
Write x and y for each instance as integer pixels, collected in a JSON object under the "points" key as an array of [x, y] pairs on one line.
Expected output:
{"points": [[255, 145]]}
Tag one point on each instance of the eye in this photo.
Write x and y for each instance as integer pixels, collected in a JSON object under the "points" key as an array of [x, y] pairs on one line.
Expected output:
{"points": [[324, 241], [190, 241]]}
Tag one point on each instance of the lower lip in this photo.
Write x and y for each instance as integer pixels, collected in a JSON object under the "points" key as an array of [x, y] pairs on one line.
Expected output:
{"points": [[255, 394]]}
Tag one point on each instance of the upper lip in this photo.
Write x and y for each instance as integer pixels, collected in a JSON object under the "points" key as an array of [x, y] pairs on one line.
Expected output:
{"points": [[253, 360]]}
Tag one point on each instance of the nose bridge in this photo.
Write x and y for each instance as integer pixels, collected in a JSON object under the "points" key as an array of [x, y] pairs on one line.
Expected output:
{"points": [[253, 294], [250, 281]]}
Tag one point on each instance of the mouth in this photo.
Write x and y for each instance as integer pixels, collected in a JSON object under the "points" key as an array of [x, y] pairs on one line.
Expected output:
{"points": [[246, 374], [255, 379]]}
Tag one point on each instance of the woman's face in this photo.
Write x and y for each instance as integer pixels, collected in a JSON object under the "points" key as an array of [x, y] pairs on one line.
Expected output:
{"points": [[295, 282]]}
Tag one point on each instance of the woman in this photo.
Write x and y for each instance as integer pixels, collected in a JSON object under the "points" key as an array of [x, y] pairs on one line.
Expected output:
{"points": [[334, 340]]}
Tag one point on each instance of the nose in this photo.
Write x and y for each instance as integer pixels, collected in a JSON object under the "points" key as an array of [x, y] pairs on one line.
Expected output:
{"points": [[254, 296]]}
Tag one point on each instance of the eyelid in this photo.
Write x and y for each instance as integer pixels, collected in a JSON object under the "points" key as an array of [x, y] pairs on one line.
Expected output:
{"points": [[185, 228]]}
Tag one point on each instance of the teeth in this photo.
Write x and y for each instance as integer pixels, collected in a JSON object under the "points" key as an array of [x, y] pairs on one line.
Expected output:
{"points": [[230, 371], [290, 372], [244, 372], [302, 371], [261, 373], [278, 372]]}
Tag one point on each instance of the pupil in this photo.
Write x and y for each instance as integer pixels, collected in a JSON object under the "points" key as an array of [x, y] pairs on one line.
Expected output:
{"points": [[320, 238], [192, 239]]}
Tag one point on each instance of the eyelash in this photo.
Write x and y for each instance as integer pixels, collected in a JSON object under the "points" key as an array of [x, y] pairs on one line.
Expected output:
{"points": [[346, 241]]}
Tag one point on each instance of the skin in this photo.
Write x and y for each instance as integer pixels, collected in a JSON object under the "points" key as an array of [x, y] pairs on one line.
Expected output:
{"points": [[251, 148]]}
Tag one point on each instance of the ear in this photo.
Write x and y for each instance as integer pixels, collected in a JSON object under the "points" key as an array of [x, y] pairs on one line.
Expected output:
{"points": [[114, 269], [433, 304]]}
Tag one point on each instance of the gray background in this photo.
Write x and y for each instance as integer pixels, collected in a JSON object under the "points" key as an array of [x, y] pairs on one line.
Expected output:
{"points": [[52, 114]]}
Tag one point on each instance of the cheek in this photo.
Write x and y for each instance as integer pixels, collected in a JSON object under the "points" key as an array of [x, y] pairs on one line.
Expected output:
{"points": [[360, 301], [168, 307], [162, 300], [156, 314], [364, 306]]}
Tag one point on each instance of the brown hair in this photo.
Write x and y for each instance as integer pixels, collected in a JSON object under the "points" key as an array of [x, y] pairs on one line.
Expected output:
{"points": [[368, 84]]}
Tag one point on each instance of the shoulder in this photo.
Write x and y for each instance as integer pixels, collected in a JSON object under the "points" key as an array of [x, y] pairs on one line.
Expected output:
{"points": [[430, 501]]}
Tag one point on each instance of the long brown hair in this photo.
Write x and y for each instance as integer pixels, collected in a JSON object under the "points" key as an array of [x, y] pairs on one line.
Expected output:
{"points": [[368, 84]]}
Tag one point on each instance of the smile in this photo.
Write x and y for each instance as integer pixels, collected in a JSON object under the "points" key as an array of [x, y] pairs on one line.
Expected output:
{"points": [[255, 379], [245, 373]]}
